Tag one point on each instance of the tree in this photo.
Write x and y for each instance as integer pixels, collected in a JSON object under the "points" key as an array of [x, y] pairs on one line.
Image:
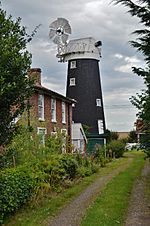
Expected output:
{"points": [[132, 138], [141, 9], [111, 135], [15, 61]]}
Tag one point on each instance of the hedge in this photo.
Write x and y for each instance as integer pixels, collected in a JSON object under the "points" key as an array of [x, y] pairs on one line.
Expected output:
{"points": [[16, 186]]}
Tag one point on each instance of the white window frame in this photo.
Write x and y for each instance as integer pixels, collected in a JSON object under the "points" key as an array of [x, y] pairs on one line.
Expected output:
{"points": [[63, 112], [41, 107], [53, 109], [100, 126], [73, 64], [98, 102], [42, 134], [72, 81], [64, 131]]}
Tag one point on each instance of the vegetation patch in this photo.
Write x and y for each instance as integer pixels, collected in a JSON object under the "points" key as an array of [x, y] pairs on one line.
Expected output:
{"points": [[16, 186], [39, 214], [110, 207]]}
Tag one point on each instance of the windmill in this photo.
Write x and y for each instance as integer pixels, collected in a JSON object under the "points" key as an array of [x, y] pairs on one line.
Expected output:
{"points": [[83, 78], [59, 33]]}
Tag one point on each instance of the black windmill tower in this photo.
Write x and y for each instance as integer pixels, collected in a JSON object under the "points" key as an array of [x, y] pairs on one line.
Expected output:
{"points": [[83, 79]]}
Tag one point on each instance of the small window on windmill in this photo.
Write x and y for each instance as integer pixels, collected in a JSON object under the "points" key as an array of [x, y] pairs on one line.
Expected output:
{"points": [[72, 82], [100, 126], [73, 64], [98, 103]]}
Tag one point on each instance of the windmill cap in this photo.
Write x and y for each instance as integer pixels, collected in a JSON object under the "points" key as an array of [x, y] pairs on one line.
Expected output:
{"points": [[83, 48]]}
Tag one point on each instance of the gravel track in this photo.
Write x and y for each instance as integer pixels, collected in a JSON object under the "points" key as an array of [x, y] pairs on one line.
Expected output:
{"points": [[72, 214], [139, 208]]}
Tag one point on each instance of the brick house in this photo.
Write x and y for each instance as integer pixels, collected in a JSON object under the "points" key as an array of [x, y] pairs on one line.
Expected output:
{"points": [[50, 110]]}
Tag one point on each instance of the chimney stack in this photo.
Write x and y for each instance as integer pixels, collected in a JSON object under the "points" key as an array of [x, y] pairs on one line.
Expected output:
{"points": [[35, 73]]}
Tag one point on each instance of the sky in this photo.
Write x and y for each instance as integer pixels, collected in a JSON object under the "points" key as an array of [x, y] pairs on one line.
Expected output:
{"points": [[101, 20]]}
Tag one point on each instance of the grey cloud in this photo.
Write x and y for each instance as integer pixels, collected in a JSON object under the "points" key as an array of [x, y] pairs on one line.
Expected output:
{"points": [[98, 18]]}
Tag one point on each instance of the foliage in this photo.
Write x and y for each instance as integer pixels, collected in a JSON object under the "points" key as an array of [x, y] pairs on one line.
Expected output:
{"points": [[15, 61], [86, 166], [56, 142], [7, 158], [117, 147], [16, 186], [100, 155], [70, 165], [141, 9], [132, 138], [111, 135], [59, 168], [48, 170], [53, 172], [39, 214], [23, 148]]}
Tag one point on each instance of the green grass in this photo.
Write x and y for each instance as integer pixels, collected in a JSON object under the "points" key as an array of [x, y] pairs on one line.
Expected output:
{"points": [[40, 214], [110, 208]]}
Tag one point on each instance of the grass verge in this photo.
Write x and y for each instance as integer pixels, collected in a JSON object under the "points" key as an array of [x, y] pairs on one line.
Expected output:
{"points": [[110, 208], [147, 187], [41, 213]]}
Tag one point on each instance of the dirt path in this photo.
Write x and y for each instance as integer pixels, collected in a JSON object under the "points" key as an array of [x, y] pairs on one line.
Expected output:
{"points": [[139, 209], [72, 214]]}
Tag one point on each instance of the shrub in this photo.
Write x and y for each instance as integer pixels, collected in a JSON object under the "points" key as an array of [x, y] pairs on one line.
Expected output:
{"points": [[54, 173], [86, 166], [25, 147], [7, 158], [16, 186], [79, 159], [55, 142], [117, 147], [69, 164], [99, 155], [94, 167], [59, 168], [84, 171]]}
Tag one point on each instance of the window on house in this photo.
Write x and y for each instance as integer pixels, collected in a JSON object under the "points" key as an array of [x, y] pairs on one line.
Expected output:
{"points": [[98, 103], [53, 109], [64, 131], [41, 132], [73, 64], [72, 82], [41, 107], [63, 112], [100, 127]]}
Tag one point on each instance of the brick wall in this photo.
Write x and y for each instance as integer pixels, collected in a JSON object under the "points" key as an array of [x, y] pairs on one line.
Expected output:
{"points": [[35, 73], [47, 123]]}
